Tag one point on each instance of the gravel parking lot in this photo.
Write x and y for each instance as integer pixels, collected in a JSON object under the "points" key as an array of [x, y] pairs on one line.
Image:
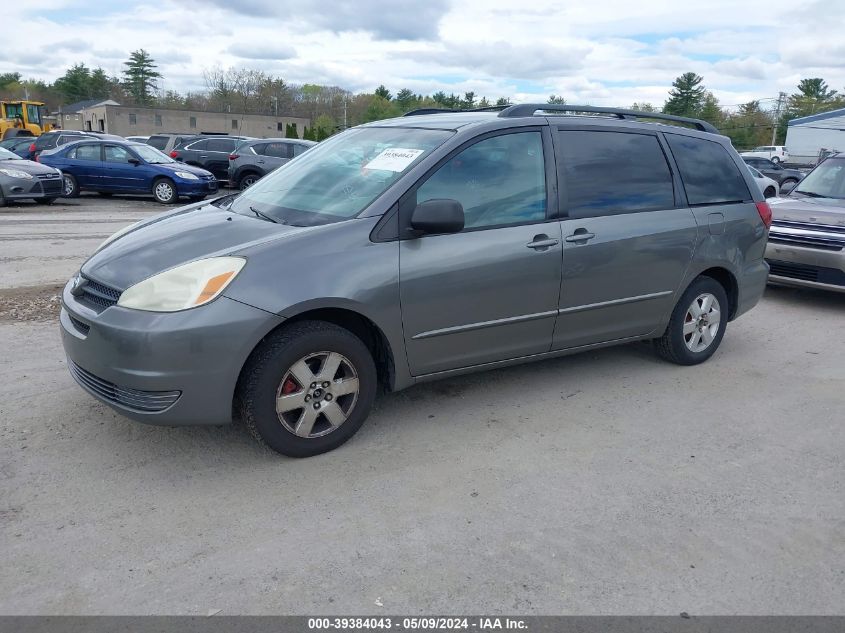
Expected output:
{"points": [[609, 482]]}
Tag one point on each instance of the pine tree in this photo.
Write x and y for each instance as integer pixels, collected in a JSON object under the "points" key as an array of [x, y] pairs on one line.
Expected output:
{"points": [[140, 76], [383, 92], [686, 97], [556, 99]]}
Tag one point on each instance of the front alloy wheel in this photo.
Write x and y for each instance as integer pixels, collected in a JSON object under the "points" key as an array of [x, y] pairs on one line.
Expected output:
{"points": [[317, 394], [307, 388], [164, 191]]}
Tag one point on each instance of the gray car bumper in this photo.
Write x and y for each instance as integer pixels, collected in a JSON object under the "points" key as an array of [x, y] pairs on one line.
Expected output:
{"points": [[163, 368], [802, 266]]}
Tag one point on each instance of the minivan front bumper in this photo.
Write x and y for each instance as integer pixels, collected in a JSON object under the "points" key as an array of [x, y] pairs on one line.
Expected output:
{"points": [[175, 368]]}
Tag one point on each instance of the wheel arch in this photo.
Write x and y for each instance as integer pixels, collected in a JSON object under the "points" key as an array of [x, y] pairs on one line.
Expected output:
{"points": [[360, 325], [728, 281]]}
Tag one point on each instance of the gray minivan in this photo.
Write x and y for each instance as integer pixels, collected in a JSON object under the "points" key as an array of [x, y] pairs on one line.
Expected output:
{"points": [[416, 249]]}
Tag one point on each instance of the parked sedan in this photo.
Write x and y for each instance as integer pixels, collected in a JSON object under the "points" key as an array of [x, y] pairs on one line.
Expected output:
{"points": [[254, 159], [18, 145], [807, 239], [768, 186], [774, 171], [109, 167], [211, 153], [25, 179]]}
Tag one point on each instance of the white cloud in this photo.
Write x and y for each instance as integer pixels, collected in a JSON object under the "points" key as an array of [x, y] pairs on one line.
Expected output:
{"points": [[609, 53]]}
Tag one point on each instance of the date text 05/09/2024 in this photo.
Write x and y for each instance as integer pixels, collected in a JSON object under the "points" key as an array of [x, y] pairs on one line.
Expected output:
{"points": [[418, 623]]}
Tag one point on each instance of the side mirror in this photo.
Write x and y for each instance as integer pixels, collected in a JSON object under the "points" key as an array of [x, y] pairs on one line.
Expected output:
{"points": [[787, 187], [438, 216], [134, 161]]}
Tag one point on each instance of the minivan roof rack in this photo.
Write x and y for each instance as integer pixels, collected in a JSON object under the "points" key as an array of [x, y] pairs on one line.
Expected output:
{"points": [[420, 111], [528, 109]]}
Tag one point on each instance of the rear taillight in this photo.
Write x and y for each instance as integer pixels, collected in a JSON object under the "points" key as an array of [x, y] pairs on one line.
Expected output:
{"points": [[233, 156], [765, 212], [32, 148], [174, 154], [38, 158]]}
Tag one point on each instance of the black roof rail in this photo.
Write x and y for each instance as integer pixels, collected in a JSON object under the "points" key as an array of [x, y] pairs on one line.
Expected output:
{"points": [[528, 109], [420, 111]]}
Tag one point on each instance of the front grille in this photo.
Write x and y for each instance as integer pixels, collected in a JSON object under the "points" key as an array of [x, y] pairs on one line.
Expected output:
{"points": [[99, 295], [794, 271], [52, 187], [807, 272], [79, 325], [133, 399], [819, 236]]}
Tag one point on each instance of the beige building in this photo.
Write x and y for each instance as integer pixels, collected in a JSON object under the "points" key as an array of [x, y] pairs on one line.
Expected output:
{"points": [[135, 121]]}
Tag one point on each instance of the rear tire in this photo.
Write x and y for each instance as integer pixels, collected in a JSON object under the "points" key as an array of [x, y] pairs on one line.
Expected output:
{"points": [[775, 160], [164, 191], [788, 181], [770, 192], [70, 188], [307, 388], [697, 324]]}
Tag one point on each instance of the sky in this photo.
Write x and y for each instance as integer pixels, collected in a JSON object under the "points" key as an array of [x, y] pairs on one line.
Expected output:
{"points": [[608, 52]]}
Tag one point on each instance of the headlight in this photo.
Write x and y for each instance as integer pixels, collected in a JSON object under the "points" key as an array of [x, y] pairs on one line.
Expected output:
{"points": [[183, 287], [187, 175], [15, 173], [113, 237]]}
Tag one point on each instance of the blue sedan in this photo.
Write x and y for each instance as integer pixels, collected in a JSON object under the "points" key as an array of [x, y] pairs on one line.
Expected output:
{"points": [[109, 167]]}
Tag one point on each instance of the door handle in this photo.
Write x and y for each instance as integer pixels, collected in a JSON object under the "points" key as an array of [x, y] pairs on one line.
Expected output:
{"points": [[203, 156], [542, 242], [580, 236]]}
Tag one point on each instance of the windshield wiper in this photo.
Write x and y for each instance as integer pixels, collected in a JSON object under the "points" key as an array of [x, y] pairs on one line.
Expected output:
{"points": [[812, 194], [263, 216]]}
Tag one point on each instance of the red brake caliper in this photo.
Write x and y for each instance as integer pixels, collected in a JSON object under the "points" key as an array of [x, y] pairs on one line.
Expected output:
{"points": [[290, 386]]}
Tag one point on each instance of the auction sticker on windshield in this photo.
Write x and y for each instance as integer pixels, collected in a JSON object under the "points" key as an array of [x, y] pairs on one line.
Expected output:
{"points": [[394, 159]]}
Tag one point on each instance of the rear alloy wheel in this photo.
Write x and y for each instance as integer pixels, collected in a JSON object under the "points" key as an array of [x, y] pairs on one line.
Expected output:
{"points": [[164, 191], [307, 389], [70, 188], [247, 181], [697, 324]]}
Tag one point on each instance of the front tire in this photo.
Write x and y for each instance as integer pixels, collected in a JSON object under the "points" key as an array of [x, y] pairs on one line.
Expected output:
{"points": [[697, 324], [164, 191], [307, 388], [70, 188], [247, 180]]}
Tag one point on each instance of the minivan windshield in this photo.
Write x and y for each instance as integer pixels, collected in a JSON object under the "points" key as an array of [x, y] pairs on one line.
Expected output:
{"points": [[338, 178], [825, 181]]}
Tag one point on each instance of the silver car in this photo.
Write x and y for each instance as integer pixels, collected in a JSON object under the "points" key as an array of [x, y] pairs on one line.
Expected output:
{"points": [[255, 159], [807, 241], [22, 179], [417, 249]]}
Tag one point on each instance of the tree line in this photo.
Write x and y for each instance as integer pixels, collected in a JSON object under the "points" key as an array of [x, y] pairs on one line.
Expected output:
{"points": [[331, 108]]}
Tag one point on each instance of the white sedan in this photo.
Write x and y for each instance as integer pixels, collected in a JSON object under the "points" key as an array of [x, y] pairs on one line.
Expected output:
{"points": [[768, 186]]}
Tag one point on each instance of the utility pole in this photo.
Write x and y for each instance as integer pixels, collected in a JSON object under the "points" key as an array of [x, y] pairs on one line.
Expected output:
{"points": [[781, 102], [344, 111]]}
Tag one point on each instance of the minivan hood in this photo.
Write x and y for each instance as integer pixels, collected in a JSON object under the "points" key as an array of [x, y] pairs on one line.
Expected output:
{"points": [[829, 211], [177, 237]]}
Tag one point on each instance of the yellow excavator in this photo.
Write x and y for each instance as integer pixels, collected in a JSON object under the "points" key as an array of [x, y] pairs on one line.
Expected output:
{"points": [[22, 118]]}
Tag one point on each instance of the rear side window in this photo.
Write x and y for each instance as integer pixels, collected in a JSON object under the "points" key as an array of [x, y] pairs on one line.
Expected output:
{"points": [[607, 173], [709, 173], [159, 142], [220, 145], [276, 150], [198, 145], [46, 141], [85, 152], [298, 149]]}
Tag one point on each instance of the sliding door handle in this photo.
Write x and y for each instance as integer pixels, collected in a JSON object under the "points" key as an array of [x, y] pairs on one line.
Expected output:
{"points": [[581, 236]]}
